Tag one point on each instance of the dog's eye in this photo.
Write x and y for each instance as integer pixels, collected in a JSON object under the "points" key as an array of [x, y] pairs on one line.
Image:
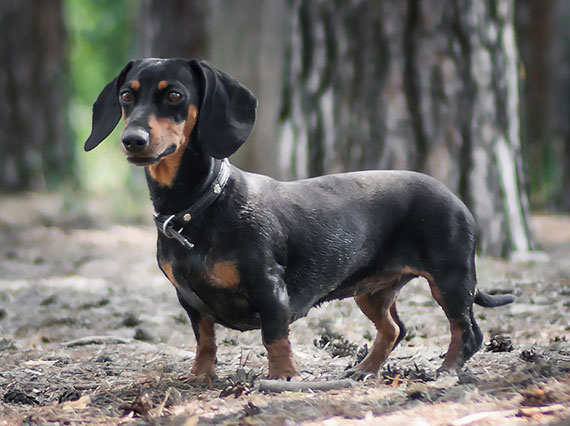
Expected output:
{"points": [[127, 96], [174, 97]]}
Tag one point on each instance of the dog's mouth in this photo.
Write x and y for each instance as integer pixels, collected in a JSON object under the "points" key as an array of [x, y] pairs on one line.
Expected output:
{"points": [[142, 161]]}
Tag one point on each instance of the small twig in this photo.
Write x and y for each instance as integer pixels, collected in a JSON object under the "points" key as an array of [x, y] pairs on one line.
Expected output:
{"points": [[531, 411], [283, 386], [97, 340], [163, 403], [472, 418], [527, 412], [396, 381]]}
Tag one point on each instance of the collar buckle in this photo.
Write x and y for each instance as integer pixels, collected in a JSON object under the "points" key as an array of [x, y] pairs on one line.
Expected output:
{"points": [[165, 223], [169, 232]]}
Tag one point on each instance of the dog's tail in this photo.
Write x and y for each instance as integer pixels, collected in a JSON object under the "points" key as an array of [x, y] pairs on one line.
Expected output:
{"points": [[492, 301]]}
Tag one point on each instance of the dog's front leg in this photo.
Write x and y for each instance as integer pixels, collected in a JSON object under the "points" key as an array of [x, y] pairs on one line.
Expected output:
{"points": [[279, 354], [272, 301], [203, 326]]}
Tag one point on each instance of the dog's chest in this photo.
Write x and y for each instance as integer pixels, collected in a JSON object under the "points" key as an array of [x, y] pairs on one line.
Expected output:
{"points": [[212, 287]]}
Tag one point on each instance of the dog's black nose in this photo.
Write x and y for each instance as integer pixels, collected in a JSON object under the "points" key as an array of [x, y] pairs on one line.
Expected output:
{"points": [[135, 140]]}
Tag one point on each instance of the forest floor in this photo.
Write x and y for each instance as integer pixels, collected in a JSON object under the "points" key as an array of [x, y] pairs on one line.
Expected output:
{"points": [[92, 333]]}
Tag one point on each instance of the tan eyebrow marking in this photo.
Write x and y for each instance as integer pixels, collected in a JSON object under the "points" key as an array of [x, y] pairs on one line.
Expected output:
{"points": [[135, 85], [162, 84]]}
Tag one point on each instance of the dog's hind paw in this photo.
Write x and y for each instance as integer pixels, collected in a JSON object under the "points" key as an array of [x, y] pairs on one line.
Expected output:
{"points": [[359, 374]]}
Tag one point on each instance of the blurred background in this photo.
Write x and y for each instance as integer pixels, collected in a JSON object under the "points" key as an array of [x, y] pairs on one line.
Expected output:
{"points": [[475, 93]]}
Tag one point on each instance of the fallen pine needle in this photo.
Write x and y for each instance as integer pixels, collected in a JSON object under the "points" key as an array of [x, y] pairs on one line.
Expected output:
{"points": [[396, 381]]}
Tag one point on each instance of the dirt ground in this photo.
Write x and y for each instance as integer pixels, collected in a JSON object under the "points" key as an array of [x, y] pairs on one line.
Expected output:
{"points": [[92, 333]]}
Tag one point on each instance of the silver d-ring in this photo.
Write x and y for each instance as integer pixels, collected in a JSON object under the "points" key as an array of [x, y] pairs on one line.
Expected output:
{"points": [[165, 224]]}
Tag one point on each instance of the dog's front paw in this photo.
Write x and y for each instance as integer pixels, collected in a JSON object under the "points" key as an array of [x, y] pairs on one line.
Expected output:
{"points": [[203, 371], [280, 357], [285, 371]]}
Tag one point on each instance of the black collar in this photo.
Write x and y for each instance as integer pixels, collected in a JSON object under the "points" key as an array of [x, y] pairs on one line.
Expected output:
{"points": [[173, 225]]}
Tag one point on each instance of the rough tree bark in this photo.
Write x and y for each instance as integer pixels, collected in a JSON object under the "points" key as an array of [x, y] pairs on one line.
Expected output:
{"points": [[417, 84], [34, 148], [174, 28]]}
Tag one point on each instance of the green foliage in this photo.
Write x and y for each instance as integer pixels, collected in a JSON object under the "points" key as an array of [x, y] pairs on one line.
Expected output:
{"points": [[101, 40]]}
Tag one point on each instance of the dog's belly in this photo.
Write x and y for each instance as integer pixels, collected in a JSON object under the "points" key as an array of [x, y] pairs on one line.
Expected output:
{"points": [[232, 308], [235, 311]]}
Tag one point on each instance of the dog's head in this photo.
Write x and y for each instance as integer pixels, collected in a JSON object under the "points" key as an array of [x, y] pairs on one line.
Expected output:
{"points": [[166, 101]]}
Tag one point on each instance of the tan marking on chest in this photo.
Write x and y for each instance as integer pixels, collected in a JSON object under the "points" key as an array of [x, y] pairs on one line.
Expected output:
{"points": [[167, 270], [163, 84], [164, 131], [224, 275]]}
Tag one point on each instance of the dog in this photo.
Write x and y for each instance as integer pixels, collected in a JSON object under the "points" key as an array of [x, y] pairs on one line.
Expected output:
{"points": [[249, 252]]}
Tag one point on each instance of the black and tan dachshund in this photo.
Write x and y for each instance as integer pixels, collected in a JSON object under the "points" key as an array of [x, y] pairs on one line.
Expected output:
{"points": [[248, 252]]}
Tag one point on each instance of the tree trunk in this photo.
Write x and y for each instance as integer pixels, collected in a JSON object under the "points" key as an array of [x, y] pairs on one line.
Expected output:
{"points": [[249, 43], [561, 90], [544, 40], [34, 148], [423, 85], [173, 29]]}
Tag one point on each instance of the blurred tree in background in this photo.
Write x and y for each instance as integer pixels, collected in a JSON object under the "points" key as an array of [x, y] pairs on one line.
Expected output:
{"points": [[103, 38], [343, 85], [173, 29], [422, 85], [34, 142], [101, 43], [544, 43]]}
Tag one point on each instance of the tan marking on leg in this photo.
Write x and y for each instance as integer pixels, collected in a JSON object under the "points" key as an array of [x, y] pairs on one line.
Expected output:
{"points": [[394, 312], [436, 295], [166, 268], [204, 363], [135, 85], [163, 84], [455, 349], [281, 364], [396, 318], [388, 332], [224, 275], [164, 132]]}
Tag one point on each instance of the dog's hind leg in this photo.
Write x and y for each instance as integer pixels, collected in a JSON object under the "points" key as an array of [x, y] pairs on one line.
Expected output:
{"points": [[380, 308], [401, 326], [454, 293]]}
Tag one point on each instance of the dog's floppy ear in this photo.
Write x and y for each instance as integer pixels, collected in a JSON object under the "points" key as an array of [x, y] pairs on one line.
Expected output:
{"points": [[106, 110], [226, 114]]}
